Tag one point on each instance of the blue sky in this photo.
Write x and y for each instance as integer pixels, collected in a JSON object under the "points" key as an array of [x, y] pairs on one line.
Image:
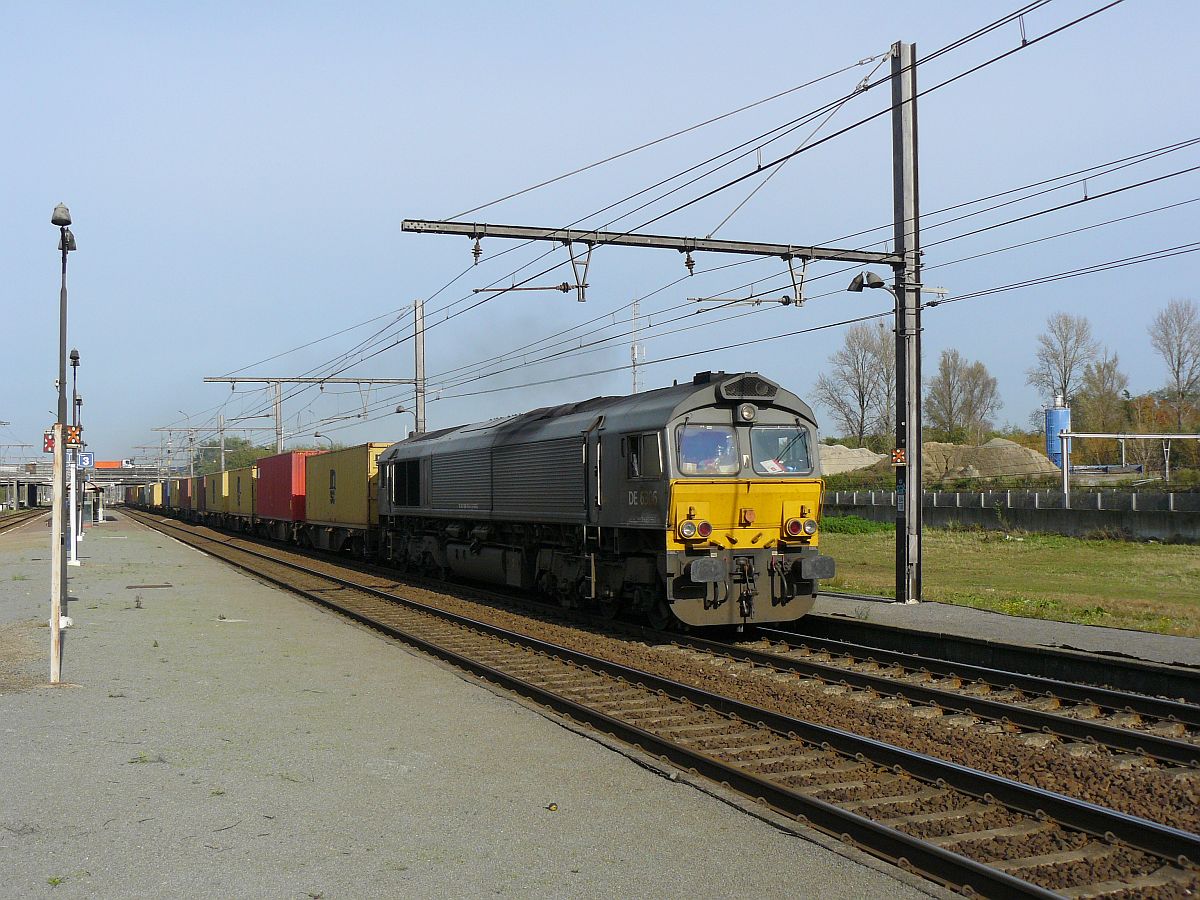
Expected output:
{"points": [[238, 173]]}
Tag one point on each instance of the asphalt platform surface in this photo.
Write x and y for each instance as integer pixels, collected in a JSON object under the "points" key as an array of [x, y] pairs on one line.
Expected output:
{"points": [[980, 623], [218, 737]]}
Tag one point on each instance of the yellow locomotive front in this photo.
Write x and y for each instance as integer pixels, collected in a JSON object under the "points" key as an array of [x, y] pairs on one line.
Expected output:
{"points": [[743, 527]]}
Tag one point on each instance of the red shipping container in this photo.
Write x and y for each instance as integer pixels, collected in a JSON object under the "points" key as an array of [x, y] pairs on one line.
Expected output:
{"points": [[185, 493], [281, 486]]}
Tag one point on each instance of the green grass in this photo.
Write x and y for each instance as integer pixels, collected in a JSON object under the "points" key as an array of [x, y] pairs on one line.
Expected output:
{"points": [[1121, 584], [854, 525]]}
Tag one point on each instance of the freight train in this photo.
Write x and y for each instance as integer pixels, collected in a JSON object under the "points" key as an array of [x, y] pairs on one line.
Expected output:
{"points": [[697, 504]]}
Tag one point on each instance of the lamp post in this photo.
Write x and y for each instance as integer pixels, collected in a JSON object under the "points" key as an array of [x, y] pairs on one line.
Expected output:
{"points": [[907, 455], [73, 469], [61, 218], [418, 424], [318, 434]]}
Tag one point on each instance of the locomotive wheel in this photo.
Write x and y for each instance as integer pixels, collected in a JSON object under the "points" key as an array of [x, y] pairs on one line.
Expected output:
{"points": [[660, 616], [608, 609]]}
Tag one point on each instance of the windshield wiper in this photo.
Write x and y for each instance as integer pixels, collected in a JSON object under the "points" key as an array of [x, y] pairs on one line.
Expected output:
{"points": [[788, 446]]}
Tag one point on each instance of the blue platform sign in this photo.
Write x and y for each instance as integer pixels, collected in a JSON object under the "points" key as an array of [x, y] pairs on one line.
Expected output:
{"points": [[86, 460]]}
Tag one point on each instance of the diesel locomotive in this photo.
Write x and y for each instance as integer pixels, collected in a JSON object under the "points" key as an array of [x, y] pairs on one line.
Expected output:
{"points": [[698, 503]]}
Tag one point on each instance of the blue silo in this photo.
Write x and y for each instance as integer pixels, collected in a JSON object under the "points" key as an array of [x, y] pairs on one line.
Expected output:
{"points": [[1058, 418]]}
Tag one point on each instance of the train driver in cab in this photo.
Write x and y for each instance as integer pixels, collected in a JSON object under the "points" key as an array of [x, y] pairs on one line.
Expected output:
{"points": [[707, 450]]}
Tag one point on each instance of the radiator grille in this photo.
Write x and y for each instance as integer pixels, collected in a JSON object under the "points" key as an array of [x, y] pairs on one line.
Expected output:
{"points": [[749, 387]]}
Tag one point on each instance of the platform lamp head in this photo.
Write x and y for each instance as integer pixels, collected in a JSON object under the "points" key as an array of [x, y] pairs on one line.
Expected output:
{"points": [[62, 218], [865, 280]]}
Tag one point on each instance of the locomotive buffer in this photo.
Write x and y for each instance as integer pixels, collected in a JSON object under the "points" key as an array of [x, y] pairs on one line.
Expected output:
{"points": [[906, 269]]}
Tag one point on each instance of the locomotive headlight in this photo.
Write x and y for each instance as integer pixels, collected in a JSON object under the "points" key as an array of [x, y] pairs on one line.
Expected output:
{"points": [[747, 412], [798, 527], [687, 529]]}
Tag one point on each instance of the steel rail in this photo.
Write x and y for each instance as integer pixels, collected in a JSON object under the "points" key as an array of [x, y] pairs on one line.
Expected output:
{"points": [[1155, 707], [1151, 837], [1165, 749], [7, 523], [1113, 670]]}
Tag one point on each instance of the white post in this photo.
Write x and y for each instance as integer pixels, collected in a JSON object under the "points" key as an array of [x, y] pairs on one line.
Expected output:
{"points": [[73, 559], [419, 373], [1065, 445], [278, 416], [57, 571]]}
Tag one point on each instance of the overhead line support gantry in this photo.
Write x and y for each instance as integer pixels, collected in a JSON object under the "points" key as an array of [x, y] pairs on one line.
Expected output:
{"points": [[905, 262]]}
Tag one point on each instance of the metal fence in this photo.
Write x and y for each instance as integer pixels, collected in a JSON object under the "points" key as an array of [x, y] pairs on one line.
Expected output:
{"points": [[1113, 501]]}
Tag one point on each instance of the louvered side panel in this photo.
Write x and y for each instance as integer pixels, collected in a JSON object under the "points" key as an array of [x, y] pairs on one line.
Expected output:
{"points": [[461, 480], [542, 481]]}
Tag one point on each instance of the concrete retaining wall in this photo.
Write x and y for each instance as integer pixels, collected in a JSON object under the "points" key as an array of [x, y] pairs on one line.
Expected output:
{"points": [[1166, 520]]}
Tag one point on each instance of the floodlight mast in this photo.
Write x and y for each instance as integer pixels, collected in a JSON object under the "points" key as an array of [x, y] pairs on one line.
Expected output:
{"points": [[906, 269]]}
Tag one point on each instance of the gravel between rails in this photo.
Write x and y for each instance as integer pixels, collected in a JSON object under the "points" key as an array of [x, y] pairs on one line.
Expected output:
{"points": [[1167, 795]]}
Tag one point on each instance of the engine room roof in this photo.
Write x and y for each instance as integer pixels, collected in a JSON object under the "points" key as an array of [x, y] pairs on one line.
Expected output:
{"points": [[650, 410]]}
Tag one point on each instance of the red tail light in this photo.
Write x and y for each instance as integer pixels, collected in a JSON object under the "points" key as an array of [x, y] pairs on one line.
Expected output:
{"points": [[704, 529], [794, 527]]}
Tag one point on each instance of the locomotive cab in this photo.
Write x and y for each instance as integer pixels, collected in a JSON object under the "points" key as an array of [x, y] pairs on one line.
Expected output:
{"points": [[743, 515]]}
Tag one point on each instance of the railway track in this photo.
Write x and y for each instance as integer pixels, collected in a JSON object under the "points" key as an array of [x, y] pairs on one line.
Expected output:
{"points": [[1164, 730], [963, 827], [17, 519], [1055, 663]]}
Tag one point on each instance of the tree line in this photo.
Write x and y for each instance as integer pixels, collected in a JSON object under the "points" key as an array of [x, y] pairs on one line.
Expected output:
{"points": [[239, 453], [961, 398]]}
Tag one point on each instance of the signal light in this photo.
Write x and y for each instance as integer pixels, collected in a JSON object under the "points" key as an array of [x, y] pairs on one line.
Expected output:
{"points": [[704, 530], [794, 527]]}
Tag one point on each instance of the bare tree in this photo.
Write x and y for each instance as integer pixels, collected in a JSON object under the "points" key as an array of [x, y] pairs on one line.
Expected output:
{"points": [[1063, 350], [1101, 405], [962, 398], [884, 407], [1175, 335], [850, 388]]}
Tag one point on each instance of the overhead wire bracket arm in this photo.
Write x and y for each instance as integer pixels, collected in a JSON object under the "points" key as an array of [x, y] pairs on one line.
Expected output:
{"points": [[658, 241]]}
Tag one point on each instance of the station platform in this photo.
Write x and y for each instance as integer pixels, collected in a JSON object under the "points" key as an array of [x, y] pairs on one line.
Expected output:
{"points": [[984, 625], [218, 737]]}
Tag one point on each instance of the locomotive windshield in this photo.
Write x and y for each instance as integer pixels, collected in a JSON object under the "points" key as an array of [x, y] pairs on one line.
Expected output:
{"points": [[780, 449], [707, 450]]}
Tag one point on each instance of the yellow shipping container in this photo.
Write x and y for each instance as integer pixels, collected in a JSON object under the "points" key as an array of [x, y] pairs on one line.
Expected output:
{"points": [[175, 492], [241, 490], [216, 487], [156, 494], [342, 486]]}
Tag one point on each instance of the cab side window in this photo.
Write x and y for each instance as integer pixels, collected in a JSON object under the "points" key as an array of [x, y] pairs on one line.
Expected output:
{"points": [[406, 482], [642, 456]]}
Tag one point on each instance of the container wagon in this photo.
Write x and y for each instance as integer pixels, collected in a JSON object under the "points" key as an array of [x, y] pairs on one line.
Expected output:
{"points": [[239, 502], [280, 504], [341, 505]]}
